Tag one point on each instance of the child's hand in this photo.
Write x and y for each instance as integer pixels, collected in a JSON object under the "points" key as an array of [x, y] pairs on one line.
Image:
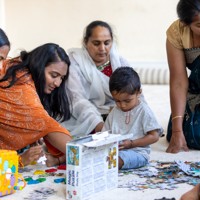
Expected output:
{"points": [[126, 144]]}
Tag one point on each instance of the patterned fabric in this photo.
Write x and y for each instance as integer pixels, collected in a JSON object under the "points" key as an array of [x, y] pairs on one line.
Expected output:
{"points": [[23, 120], [107, 70]]}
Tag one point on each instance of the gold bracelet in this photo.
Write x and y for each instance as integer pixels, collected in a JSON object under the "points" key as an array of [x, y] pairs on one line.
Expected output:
{"points": [[179, 116]]}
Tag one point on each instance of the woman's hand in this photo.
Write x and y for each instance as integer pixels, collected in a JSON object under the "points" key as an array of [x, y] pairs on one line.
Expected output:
{"points": [[32, 154], [177, 143], [126, 144]]}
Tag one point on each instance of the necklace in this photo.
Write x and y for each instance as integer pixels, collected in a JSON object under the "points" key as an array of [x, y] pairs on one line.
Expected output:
{"points": [[103, 66], [128, 117]]}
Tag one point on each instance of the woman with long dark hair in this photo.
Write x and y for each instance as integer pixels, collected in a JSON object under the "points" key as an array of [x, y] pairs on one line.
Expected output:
{"points": [[33, 99]]}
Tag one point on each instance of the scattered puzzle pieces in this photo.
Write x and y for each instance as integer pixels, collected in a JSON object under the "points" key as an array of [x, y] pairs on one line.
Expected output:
{"points": [[161, 175], [41, 194]]}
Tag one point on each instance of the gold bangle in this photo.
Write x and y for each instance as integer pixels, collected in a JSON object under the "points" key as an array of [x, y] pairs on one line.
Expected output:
{"points": [[179, 116]]}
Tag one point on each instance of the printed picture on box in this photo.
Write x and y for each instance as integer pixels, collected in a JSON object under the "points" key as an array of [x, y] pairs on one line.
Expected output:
{"points": [[111, 158], [73, 155]]}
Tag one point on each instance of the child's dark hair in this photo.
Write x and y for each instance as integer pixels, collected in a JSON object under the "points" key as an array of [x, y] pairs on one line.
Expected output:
{"points": [[125, 80]]}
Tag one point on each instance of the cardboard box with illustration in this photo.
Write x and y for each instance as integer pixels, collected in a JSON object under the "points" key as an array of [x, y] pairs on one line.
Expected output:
{"points": [[92, 165]]}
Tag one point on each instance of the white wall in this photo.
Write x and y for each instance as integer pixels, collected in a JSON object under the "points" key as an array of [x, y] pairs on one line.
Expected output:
{"points": [[139, 25], [2, 14]]}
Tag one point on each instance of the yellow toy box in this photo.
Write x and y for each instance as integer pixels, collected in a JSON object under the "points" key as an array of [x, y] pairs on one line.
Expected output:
{"points": [[8, 171]]}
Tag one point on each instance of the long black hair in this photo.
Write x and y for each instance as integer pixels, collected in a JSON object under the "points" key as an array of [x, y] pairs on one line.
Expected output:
{"points": [[34, 63]]}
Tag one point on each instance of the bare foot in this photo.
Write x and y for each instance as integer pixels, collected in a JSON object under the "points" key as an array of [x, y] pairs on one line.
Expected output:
{"points": [[193, 194], [52, 160], [32, 154]]}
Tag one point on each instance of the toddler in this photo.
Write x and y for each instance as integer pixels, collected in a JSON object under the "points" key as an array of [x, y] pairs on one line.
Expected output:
{"points": [[131, 116]]}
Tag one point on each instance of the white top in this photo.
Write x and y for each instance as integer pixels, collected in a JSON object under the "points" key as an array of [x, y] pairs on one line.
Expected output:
{"points": [[137, 121], [89, 90]]}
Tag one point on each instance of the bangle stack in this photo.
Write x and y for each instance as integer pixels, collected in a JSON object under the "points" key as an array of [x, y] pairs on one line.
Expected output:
{"points": [[175, 117]]}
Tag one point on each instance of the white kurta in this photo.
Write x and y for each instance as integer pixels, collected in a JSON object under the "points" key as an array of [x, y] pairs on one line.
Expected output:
{"points": [[89, 89]]}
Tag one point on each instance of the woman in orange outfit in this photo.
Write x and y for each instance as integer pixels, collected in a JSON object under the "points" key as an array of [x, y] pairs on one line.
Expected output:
{"points": [[33, 100]]}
